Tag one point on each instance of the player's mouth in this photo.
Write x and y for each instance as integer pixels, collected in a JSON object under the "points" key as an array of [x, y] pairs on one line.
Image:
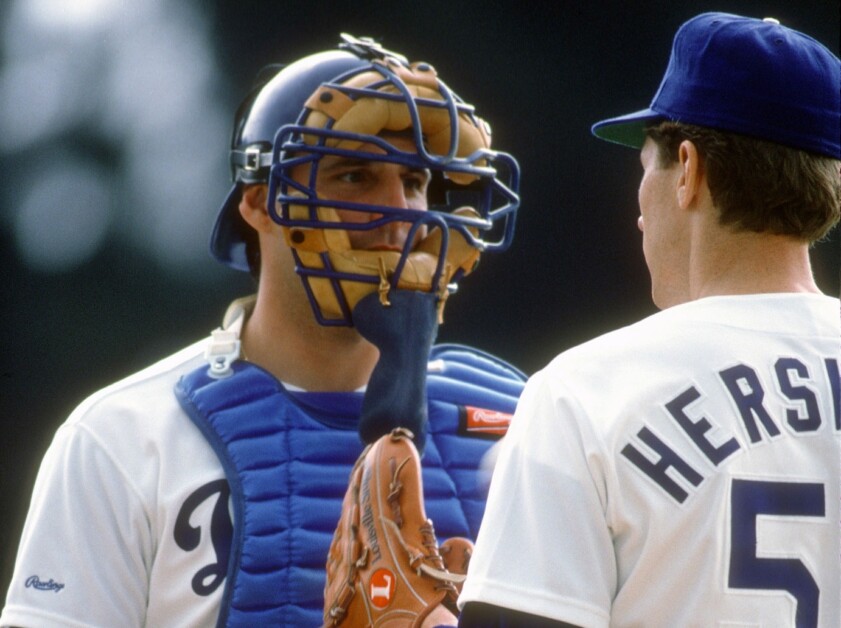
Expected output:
{"points": [[386, 247]]}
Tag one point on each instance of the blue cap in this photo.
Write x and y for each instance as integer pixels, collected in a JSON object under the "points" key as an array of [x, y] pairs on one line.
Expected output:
{"points": [[747, 76]]}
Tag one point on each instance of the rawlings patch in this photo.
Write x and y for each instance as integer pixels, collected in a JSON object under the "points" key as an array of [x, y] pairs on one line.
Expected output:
{"points": [[482, 422]]}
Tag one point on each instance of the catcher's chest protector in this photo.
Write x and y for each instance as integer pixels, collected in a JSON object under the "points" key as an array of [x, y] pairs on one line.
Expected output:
{"points": [[287, 458]]}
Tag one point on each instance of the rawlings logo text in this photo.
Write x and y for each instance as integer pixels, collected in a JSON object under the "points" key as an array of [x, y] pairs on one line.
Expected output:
{"points": [[34, 582]]}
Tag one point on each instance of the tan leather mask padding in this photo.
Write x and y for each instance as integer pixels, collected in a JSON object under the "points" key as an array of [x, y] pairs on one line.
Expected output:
{"points": [[373, 116], [315, 239]]}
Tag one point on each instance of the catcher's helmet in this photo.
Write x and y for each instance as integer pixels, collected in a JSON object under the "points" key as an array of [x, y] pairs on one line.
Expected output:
{"points": [[340, 103]]}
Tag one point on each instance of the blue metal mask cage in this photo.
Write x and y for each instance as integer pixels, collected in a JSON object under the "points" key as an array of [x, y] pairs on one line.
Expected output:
{"points": [[492, 190]]}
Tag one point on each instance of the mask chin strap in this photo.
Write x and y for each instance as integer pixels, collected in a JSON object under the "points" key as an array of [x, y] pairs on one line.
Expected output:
{"points": [[403, 332]]}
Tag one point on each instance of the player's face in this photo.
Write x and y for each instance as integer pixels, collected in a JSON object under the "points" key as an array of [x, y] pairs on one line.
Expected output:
{"points": [[664, 229], [373, 183]]}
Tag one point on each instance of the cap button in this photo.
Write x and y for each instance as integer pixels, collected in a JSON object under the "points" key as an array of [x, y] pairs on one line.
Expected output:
{"points": [[771, 20]]}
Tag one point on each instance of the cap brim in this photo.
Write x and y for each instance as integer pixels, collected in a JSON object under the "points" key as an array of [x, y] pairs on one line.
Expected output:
{"points": [[226, 242], [627, 130]]}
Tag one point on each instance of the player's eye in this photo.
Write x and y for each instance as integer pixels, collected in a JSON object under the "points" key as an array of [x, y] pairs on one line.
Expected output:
{"points": [[416, 181], [352, 176]]}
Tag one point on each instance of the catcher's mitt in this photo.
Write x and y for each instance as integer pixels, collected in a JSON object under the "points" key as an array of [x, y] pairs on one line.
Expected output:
{"points": [[384, 566]]}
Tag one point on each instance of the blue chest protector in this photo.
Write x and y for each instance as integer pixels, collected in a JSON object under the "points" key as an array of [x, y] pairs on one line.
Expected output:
{"points": [[287, 458]]}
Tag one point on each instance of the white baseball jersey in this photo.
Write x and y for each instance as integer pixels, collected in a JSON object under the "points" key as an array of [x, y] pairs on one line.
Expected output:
{"points": [[682, 471]]}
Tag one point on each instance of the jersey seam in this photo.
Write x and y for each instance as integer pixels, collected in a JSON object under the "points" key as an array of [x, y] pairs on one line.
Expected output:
{"points": [[138, 494]]}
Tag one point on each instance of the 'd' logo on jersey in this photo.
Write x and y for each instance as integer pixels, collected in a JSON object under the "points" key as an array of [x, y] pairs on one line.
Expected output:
{"points": [[381, 588], [188, 535], [483, 422]]}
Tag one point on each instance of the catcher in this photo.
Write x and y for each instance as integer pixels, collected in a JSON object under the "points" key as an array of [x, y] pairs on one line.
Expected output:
{"points": [[205, 490]]}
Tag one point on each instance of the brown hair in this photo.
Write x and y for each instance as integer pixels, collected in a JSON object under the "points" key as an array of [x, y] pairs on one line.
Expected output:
{"points": [[758, 185]]}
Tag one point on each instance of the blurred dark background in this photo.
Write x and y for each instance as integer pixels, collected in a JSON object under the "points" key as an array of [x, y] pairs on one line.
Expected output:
{"points": [[114, 130]]}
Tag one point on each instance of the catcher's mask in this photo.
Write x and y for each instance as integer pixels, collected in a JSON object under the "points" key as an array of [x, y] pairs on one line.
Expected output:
{"points": [[351, 102]]}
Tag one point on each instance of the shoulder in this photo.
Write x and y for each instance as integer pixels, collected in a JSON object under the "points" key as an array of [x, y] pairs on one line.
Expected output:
{"points": [[137, 429], [686, 345], [462, 362], [692, 329], [609, 349], [471, 392], [614, 371], [145, 389], [138, 410], [464, 375]]}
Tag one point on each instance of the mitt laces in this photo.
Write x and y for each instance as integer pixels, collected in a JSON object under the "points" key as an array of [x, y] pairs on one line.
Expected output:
{"points": [[427, 559]]}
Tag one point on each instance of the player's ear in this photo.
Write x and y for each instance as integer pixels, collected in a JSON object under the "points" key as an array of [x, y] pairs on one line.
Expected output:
{"points": [[252, 206], [692, 174]]}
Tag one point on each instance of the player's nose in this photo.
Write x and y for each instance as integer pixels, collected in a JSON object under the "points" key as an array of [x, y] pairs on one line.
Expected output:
{"points": [[393, 235], [392, 191]]}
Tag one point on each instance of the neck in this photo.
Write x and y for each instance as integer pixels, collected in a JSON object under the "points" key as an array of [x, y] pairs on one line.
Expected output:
{"points": [[283, 337], [726, 263]]}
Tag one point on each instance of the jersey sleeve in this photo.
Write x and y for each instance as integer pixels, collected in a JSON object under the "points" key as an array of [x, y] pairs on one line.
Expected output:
{"points": [[86, 544], [544, 547]]}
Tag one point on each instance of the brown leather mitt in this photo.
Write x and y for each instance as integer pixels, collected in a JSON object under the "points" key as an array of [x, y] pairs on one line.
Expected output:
{"points": [[384, 567]]}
